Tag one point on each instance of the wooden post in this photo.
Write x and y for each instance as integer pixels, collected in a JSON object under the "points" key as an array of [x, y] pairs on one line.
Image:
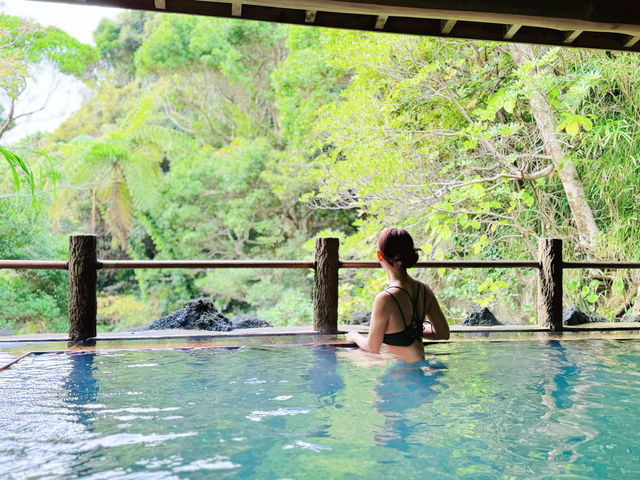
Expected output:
{"points": [[82, 287], [550, 283], [325, 286]]}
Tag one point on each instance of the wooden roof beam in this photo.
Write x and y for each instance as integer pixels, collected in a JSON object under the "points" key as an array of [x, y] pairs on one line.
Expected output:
{"points": [[236, 9], [510, 31], [160, 4], [631, 41], [309, 16], [415, 9], [381, 22], [446, 26], [571, 36]]}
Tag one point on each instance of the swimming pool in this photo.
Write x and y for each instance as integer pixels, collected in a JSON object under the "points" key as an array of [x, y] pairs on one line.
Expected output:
{"points": [[528, 409]]}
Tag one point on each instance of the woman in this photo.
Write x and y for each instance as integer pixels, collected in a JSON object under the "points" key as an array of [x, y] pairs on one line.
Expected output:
{"points": [[399, 311]]}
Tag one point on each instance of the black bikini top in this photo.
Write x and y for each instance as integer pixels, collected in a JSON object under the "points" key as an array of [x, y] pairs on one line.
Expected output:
{"points": [[411, 332]]}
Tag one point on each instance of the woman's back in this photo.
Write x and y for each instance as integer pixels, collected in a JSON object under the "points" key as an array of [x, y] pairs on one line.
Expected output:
{"points": [[406, 304]]}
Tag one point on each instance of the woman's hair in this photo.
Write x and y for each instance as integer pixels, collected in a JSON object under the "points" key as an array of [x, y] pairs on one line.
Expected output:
{"points": [[396, 247]]}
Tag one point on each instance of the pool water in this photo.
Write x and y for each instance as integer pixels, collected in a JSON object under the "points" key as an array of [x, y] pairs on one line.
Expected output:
{"points": [[532, 409]]}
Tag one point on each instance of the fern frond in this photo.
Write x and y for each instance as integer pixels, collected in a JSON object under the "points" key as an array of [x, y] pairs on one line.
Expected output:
{"points": [[142, 176], [168, 139]]}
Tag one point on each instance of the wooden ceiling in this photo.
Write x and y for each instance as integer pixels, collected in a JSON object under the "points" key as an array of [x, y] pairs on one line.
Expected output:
{"points": [[610, 25]]}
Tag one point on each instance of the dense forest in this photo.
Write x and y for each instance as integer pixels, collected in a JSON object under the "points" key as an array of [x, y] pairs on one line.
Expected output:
{"points": [[209, 138]]}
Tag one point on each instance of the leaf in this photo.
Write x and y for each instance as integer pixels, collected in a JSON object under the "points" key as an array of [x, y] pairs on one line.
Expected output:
{"points": [[509, 106], [572, 128], [499, 285], [618, 287]]}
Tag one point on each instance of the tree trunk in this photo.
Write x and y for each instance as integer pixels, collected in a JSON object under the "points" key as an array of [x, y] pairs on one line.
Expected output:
{"points": [[82, 287], [325, 288], [550, 283], [546, 123]]}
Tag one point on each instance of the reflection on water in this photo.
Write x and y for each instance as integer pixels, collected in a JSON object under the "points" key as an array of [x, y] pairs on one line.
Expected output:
{"points": [[543, 409], [405, 386], [81, 385], [323, 377], [562, 370]]}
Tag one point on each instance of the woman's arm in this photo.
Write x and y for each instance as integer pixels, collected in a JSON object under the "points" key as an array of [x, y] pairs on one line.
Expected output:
{"points": [[437, 327], [377, 327]]}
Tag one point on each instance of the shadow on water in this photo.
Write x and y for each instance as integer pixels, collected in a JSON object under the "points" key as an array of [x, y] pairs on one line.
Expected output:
{"points": [[405, 386]]}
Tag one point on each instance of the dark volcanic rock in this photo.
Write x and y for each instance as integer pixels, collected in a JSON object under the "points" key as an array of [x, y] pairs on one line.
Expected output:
{"points": [[213, 321], [198, 314], [597, 318], [574, 316], [631, 318], [478, 316], [360, 318], [248, 321]]}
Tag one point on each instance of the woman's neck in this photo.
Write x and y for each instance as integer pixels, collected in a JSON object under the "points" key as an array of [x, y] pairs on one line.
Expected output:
{"points": [[397, 277]]}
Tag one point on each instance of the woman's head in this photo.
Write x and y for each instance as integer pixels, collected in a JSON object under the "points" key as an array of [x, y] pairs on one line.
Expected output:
{"points": [[395, 246]]}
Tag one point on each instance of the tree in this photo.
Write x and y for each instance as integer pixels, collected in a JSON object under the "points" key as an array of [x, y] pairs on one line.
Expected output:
{"points": [[547, 125], [117, 42], [22, 45]]}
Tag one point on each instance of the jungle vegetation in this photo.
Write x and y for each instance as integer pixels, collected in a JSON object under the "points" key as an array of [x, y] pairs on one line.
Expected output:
{"points": [[209, 138]]}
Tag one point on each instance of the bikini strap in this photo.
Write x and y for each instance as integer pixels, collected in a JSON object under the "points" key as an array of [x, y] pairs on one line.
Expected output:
{"points": [[398, 304], [403, 289]]}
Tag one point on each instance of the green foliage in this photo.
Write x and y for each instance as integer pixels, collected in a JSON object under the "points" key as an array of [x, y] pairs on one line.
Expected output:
{"points": [[117, 41], [305, 81], [30, 44], [30, 300], [212, 138]]}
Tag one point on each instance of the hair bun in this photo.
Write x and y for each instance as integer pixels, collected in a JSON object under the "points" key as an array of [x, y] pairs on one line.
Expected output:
{"points": [[396, 247], [412, 259]]}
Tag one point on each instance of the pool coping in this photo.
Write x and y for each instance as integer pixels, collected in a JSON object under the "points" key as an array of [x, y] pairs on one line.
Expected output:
{"points": [[308, 330], [16, 347]]}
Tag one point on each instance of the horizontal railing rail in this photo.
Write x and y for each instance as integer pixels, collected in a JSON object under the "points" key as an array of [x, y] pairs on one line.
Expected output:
{"points": [[119, 264], [34, 264], [601, 265], [452, 264], [83, 266]]}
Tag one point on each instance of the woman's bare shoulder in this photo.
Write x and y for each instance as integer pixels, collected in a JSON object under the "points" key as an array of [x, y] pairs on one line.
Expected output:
{"points": [[382, 298]]}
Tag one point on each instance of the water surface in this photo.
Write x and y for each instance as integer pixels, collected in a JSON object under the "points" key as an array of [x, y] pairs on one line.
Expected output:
{"points": [[547, 409]]}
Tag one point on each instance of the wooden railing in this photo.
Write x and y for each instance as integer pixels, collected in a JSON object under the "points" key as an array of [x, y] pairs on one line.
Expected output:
{"points": [[83, 266]]}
